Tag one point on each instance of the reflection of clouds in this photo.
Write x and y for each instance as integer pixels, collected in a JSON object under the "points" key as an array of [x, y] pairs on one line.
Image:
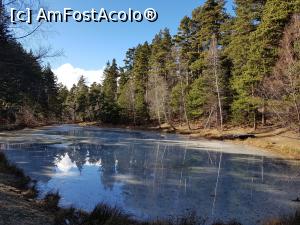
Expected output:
{"points": [[88, 163], [64, 163], [128, 179]]}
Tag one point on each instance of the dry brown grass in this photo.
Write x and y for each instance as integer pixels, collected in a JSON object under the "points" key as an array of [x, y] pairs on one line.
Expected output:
{"points": [[282, 141]]}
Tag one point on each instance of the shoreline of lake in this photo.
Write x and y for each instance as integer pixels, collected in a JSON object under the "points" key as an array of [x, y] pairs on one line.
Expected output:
{"points": [[285, 143]]}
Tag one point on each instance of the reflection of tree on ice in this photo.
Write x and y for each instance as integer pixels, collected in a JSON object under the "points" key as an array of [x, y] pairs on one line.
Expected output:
{"points": [[262, 169], [156, 164], [116, 164], [216, 187], [183, 163]]}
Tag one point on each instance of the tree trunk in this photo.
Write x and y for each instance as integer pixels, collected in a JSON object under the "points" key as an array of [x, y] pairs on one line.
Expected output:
{"points": [[184, 105], [208, 120], [157, 102], [133, 101], [254, 111], [254, 121], [294, 92], [214, 50], [263, 116], [166, 116]]}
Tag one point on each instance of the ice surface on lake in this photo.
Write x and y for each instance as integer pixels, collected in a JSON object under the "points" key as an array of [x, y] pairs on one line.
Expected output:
{"points": [[152, 175]]}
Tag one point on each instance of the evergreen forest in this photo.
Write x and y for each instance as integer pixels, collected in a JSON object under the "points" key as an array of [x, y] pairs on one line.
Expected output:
{"points": [[218, 70]]}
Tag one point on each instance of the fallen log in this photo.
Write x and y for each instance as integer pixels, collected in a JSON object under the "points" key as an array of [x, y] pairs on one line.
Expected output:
{"points": [[236, 136]]}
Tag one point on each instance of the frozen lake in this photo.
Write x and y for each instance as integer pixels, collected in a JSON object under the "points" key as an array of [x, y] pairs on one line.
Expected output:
{"points": [[152, 175]]}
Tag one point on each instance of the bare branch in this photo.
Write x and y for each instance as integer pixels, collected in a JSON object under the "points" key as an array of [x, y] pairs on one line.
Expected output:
{"points": [[30, 33]]}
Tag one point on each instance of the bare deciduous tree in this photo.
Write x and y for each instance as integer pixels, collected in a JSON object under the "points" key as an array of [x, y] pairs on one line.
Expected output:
{"points": [[215, 67], [282, 88]]}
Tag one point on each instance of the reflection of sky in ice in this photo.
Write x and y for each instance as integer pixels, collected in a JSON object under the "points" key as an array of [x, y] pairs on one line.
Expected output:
{"points": [[68, 179], [151, 175]]}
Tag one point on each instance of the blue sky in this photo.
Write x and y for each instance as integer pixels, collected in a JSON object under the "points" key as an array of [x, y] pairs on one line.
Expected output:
{"points": [[88, 46]]}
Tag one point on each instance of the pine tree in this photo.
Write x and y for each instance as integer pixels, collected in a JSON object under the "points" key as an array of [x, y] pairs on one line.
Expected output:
{"points": [[183, 59], [206, 95], [261, 59], [129, 60], [110, 111], [195, 102], [248, 17], [50, 91], [162, 76], [214, 67], [110, 84], [209, 39], [208, 20], [183, 40], [62, 97], [95, 101], [71, 103], [81, 98], [126, 102], [126, 97], [140, 78], [4, 32]]}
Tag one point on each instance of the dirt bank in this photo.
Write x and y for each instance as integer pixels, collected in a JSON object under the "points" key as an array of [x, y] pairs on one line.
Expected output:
{"points": [[283, 142], [17, 203], [16, 208]]}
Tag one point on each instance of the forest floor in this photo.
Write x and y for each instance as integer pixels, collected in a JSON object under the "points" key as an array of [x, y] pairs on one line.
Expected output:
{"points": [[284, 142]]}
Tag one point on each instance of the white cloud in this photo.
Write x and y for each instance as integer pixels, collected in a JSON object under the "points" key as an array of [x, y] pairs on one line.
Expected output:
{"points": [[69, 75]]}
